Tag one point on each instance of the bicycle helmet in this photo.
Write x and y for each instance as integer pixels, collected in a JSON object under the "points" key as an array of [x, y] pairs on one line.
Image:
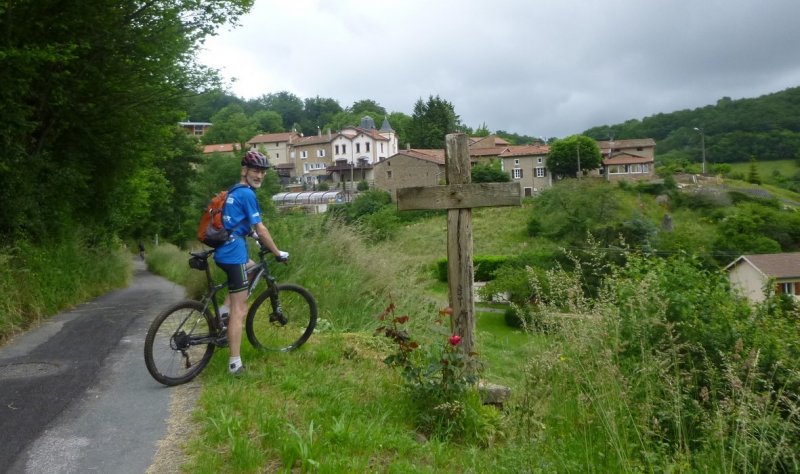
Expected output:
{"points": [[254, 159]]}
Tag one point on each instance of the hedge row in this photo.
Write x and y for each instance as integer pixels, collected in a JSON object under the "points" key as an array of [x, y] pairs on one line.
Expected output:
{"points": [[485, 266]]}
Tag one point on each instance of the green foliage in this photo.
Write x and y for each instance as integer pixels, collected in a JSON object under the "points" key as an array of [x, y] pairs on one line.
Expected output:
{"points": [[362, 185], [484, 266], [569, 155], [430, 122], [735, 130], [440, 381], [489, 173], [86, 105], [752, 175], [38, 281]]}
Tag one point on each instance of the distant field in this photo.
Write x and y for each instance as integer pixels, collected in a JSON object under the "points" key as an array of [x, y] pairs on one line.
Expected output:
{"points": [[766, 168]]}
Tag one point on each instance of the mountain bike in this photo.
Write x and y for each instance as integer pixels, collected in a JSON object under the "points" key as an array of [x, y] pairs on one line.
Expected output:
{"points": [[182, 339]]}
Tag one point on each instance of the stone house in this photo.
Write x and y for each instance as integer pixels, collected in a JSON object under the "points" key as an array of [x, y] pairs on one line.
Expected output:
{"points": [[527, 164], [627, 159], [411, 167], [277, 146], [750, 274], [312, 156]]}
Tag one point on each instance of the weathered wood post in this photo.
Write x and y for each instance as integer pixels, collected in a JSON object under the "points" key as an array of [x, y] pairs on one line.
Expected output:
{"points": [[459, 196]]}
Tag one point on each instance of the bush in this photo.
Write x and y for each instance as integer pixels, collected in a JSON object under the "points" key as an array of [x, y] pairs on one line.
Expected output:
{"points": [[484, 266]]}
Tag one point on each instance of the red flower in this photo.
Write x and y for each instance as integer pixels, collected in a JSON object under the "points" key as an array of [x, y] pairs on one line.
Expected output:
{"points": [[455, 340]]}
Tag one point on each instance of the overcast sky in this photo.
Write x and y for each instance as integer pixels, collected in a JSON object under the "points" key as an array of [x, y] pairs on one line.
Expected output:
{"points": [[543, 68]]}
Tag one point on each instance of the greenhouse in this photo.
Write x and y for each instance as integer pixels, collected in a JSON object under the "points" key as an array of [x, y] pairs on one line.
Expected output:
{"points": [[312, 201]]}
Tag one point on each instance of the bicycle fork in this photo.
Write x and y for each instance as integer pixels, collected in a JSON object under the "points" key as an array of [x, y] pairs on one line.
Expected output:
{"points": [[277, 315]]}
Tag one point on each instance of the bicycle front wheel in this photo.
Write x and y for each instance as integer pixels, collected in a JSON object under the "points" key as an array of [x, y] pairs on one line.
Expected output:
{"points": [[281, 322], [179, 343]]}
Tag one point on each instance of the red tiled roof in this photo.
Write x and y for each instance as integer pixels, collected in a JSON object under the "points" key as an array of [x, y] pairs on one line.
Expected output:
{"points": [[221, 148], [487, 151], [773, 265], [428, 154], [273, 137], [526, 150], [633, 143], [314, 139], [626, 159]]}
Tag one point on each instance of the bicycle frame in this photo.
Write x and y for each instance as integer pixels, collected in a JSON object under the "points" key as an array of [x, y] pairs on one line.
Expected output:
{"points": [[260, 271]]}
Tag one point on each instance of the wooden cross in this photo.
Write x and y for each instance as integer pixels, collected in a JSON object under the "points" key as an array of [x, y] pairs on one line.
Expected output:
{"points": [[459, 197]]}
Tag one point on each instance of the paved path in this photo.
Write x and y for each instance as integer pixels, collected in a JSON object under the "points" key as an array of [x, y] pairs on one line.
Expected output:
{"points": [[75, 395]]}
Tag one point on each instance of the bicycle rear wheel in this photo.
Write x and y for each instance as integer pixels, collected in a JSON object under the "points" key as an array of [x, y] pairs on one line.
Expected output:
{"points": [[285, 327], [179, 343]]}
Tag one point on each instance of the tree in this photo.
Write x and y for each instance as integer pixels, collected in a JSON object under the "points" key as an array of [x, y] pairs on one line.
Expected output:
{"points": [[231, 125], [569, 155], [317, 112], [369, 107], [489, 173], [288, 105], [431, 121], [89, 91], [268, 121]]}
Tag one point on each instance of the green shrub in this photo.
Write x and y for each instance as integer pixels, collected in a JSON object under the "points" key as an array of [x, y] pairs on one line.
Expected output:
{"points": [[484, 267]]}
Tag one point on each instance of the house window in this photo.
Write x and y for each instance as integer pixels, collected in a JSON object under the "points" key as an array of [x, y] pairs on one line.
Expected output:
{"points": [[304, 154], [516, 173], [539, 160], [320, 153], [516, 162], [381, 147], [541, 171], [389, 174], [344, 149], [358, 148], [786, 288], [277, 155], [366, 146], [336, 149]]}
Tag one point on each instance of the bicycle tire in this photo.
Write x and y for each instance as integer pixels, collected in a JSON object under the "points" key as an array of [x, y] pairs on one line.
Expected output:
{"points": [[174, 355], [300, 311]]}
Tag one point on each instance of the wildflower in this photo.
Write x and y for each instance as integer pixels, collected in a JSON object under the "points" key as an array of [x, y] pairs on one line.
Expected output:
{"points": [[455, 339]]}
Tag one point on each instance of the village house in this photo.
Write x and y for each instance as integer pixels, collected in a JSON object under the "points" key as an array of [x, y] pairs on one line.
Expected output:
{"points": [[408, 168], [312, 157], [627, 159], [527, 165], [357, 149], [195, 129], [484, 149], [277, 146], [750, 274]]}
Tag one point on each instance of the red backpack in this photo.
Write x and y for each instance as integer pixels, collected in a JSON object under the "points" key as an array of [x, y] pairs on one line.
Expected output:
{"points": [[211, 231]]}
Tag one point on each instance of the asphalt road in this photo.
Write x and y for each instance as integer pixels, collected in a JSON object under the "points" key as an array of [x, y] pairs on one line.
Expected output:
{"points": [[75, 395]]}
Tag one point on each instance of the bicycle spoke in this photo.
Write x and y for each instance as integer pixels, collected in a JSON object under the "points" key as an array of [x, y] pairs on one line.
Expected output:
{"points": [[288, 327], [178, 345]]}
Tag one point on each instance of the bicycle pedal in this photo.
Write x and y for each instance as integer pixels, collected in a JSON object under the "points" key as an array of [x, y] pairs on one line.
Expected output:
{"points": [[221, 341]]}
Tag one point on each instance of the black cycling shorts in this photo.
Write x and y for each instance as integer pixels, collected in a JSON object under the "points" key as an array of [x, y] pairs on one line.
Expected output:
{"points": [[237, 276]]}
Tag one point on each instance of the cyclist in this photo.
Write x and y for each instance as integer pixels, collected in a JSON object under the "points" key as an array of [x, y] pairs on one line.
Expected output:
{"points": [[241, 215]]}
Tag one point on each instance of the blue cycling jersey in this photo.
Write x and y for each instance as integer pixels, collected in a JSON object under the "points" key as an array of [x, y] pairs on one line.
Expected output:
{"points": [[240, 214]]}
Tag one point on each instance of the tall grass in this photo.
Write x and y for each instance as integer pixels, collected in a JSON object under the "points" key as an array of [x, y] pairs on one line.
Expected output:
{"points": [[627, 387], [38, 281], [646, 376]]}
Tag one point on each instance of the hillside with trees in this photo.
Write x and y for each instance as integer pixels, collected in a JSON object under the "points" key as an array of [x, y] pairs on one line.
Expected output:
{"points": [[765, 128]]}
